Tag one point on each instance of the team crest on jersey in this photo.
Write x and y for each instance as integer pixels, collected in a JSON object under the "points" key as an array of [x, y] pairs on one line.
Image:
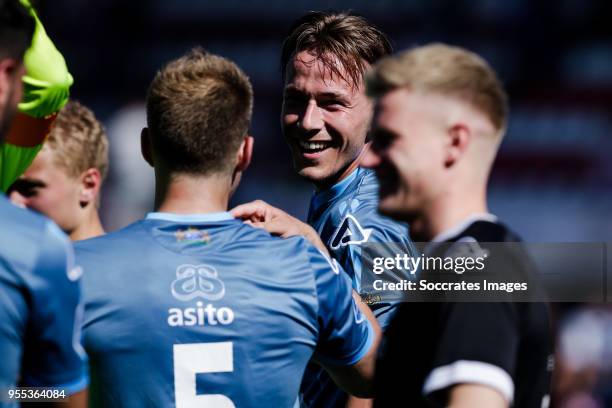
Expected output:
{"points": [[349, 232], [192, 236], [194, 281]]}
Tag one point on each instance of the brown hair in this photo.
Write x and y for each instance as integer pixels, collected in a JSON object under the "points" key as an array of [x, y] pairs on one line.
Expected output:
{"points": [[78, 140], [350, 38], [198, 111], [16, 29], [446, 70]]}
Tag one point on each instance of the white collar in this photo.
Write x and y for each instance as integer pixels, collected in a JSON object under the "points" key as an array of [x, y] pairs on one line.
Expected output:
{"points": [[206, 217], [462, 225]]}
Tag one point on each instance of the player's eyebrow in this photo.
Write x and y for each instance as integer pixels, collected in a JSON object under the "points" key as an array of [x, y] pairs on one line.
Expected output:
{"points": [[33, 181], [27, 182], [382, 137], [333, 95], [291, 90], [24, 185]]}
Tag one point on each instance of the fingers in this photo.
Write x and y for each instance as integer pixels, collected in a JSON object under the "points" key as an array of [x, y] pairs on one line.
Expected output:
{"points": [[262, 215], [256, 211], [274, 227]]}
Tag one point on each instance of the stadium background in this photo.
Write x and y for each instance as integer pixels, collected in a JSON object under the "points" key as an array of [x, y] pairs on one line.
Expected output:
{"points": [[552, 180]]}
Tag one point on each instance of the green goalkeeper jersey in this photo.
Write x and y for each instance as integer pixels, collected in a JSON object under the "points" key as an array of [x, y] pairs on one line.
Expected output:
{"points": [[46, 87]]}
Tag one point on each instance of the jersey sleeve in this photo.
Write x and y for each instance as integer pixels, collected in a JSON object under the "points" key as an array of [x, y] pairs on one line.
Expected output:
{"points": [[390, 238], [345, 334], [478, 345], [53, 355]]}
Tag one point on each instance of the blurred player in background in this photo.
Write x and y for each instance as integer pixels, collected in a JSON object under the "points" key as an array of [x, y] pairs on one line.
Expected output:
{"points": [[46, 85], [325, 120], [191, 307], [440, 117], [38, 282], [65, 178]]}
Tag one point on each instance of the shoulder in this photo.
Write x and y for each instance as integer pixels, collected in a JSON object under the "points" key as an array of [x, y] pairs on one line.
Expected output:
{"points": [[296, 252], [20, 221], [362, 211], [25, 236], [489, 231], [114, 239], [295, 248]]}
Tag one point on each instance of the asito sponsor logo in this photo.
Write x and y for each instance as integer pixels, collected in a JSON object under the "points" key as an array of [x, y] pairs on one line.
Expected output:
{"points": [[198, 281]]}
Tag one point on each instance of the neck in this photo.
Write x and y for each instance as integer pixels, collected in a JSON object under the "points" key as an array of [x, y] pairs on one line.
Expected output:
{"points": [[187, 194], [90, 227], [446, 212]]}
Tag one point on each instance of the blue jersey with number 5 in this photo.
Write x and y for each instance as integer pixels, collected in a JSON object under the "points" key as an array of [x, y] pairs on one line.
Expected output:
{"points": [[206, 311]]}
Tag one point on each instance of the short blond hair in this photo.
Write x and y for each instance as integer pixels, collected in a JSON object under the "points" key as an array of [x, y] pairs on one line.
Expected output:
{"points": [[199, 110], [446, 70], [78, 140]]}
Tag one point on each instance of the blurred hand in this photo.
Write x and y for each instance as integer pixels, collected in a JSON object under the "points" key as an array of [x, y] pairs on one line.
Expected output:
{"points": [[260, 214]]}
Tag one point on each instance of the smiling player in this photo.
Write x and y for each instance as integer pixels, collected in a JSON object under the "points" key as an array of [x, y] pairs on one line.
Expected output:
{"points": [[441, 113], [325, 121], [191, 307]]}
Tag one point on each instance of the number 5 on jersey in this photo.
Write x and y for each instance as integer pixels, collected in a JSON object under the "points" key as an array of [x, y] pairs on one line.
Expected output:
{"points": [[200, 358]]}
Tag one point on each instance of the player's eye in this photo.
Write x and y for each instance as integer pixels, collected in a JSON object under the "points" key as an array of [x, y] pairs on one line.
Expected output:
{"points": [[382, 139], [331, 105], [293, 99], [25, 188]]}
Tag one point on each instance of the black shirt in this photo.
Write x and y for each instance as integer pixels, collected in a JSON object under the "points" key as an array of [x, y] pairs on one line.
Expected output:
{"points": [[431, 346]]}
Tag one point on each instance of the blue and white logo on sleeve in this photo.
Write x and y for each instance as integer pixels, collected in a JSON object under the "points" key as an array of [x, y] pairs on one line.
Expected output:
{"points": [[349, 232]]}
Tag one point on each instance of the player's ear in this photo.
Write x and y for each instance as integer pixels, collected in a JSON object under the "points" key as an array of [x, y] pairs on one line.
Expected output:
{"points": [[457, 140], [243, 159], [245, 153], [9, 68], [145, 146], [91, 181]]}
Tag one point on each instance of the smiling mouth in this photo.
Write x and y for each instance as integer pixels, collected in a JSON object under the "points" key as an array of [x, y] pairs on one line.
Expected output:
{"points": [[313, 147]]}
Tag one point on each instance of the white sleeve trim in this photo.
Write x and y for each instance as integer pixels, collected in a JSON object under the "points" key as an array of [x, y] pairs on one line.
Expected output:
{"points": [[474, 372]]}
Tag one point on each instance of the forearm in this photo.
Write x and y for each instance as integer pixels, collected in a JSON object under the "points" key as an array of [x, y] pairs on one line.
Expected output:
{"points": [[475, 396], [356, 402]]}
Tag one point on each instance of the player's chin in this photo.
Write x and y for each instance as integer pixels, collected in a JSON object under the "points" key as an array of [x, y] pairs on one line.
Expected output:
{"points": [[314, 173]]}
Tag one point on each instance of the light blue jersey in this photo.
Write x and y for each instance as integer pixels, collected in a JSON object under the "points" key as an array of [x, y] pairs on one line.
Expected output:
{"points": [[346, 216], [204, 310], [39, 339]]}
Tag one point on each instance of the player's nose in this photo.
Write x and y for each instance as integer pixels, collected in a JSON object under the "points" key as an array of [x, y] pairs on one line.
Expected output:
{"points": [[17, 199], [312, 118]]}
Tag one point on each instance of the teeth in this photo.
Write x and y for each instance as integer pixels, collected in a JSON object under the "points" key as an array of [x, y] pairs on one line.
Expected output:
{"points": [[312, 145]]}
